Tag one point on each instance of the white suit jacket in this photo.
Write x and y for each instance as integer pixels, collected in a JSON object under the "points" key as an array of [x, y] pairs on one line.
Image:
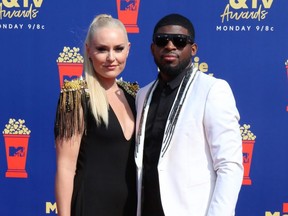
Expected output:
{"points": [[201, 172]]}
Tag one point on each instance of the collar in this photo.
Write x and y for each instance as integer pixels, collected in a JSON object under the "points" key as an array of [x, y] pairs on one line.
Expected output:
{"points": [[185, 84], [175, 83]]}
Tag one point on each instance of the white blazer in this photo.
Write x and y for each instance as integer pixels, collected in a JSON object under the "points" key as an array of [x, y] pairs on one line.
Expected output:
{"points": [[201, 172]]}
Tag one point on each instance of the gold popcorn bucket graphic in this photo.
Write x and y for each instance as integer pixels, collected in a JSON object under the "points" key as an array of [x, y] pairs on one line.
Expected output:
{"points": [[247, 146], [16, 153], [128, 14], [69, 69]]}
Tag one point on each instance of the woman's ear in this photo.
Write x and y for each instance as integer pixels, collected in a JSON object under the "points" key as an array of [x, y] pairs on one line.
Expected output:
{"points": [[87, 50], [128, 49]]}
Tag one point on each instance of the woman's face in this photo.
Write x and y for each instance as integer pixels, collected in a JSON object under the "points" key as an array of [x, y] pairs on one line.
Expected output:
{"points": [[108, 51]]}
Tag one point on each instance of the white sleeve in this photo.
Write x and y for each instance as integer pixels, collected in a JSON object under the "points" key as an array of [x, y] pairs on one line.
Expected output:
{"points": [[225, 142]]}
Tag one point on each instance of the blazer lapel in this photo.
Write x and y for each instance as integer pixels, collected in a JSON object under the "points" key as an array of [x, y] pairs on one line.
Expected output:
{"points": [[143, 105], [175, 110]]}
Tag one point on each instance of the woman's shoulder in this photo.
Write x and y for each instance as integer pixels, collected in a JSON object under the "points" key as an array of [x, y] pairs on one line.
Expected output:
{"points": [[130, 87], [78, 84], [72, 102]]}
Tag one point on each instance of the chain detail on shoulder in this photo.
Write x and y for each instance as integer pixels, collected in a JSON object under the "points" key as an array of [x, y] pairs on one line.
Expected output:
{"points": [[73, 100], [129, 87], [74, 85]]}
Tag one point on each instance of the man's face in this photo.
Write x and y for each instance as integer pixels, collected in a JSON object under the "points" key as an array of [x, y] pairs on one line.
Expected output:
{"points": [[170, 58]]}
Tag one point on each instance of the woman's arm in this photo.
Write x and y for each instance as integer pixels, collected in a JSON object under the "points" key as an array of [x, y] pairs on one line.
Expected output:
{"points": [[69, 128], [66, 158], [67, 150]]}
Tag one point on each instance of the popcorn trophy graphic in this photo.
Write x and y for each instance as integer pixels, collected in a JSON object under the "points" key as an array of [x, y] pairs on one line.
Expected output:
{"points": [[16, 137], [70, 63], [286, 64], [248, 141], [128, 14]]}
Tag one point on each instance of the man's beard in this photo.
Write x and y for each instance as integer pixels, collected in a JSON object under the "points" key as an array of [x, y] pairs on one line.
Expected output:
{"points": [[173, 71]]}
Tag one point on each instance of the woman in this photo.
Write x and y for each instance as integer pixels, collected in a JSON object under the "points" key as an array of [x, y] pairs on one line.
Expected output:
{"points": [[94, 130]]}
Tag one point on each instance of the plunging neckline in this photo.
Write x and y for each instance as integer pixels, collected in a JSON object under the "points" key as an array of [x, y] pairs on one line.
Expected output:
{"points": [[122, 130], [130, 104]]}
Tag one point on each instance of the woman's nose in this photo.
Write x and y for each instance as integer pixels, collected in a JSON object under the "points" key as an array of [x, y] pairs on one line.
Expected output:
{"points": [[111, 56]]}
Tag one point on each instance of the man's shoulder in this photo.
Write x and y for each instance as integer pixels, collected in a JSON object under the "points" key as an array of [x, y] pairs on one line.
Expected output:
{"points": [[208, 79], [205, 81]]}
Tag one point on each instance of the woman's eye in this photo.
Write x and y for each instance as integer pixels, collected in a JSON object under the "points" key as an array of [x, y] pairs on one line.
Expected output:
{"points": [[119, 49], [101, 49]]}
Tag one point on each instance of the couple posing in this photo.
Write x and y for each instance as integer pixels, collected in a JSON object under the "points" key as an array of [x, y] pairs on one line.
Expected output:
{"points": [[186, 150]]}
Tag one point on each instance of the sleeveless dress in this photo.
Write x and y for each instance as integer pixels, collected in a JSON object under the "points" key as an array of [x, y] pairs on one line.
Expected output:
{"points": [[105, 179]]}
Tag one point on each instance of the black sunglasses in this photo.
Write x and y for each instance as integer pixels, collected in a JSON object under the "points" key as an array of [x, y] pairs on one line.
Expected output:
{"points": [[179, 40]]}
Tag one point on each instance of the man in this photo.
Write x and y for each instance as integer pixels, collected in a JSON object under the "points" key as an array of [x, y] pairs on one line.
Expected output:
{"points": [[189, 149]]}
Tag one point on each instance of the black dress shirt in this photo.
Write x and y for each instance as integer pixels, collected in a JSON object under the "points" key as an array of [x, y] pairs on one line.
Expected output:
{"points": [[160, 106]]}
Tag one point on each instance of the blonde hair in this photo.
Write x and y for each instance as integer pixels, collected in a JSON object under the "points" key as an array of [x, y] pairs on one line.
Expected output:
{"points": [[98, 100]]}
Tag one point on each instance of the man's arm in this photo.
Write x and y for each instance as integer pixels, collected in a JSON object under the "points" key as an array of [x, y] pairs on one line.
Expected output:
{"points": [[224, 138]]}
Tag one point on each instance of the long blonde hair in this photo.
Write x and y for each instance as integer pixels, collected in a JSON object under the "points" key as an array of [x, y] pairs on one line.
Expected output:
{"points": [[98, 99]]}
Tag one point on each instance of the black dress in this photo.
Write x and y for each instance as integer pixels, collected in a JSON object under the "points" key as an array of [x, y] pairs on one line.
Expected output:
{"points": [[105, 180]]}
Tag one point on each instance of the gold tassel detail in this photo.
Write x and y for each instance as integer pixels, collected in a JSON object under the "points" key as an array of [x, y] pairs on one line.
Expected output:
{"points": [[73, 97]]}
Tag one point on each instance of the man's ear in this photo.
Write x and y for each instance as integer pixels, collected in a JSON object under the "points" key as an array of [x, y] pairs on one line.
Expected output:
{"points": [[194, 48], [152, 47]]}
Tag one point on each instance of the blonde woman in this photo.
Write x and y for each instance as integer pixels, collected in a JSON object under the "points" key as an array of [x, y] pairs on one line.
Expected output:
{"points": [[94, 130]]}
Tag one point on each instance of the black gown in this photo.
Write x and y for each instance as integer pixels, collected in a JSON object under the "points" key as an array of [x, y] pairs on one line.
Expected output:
{"points": [[105, 180]]}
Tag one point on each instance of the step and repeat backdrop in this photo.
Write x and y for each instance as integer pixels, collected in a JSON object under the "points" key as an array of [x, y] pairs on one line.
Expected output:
{"points": [[242, 41]]}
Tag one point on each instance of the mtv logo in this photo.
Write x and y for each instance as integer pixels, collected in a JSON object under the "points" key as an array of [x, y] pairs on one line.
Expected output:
{"points": [[129, 5], [245, 157], [69, 78], [16, 151]]}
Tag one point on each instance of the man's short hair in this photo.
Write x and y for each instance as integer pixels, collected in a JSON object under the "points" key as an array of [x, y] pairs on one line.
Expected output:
{"points": [[176, 19]]}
